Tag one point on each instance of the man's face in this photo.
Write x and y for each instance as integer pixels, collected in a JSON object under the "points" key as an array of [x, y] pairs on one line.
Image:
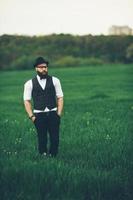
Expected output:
{"points": [[42, 69]]}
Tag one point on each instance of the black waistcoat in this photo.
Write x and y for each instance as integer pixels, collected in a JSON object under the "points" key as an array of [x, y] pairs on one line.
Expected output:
{"points": [[43, 98]]}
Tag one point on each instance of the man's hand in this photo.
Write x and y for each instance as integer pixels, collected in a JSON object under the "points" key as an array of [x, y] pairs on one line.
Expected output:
{"points": [[33, 119]]}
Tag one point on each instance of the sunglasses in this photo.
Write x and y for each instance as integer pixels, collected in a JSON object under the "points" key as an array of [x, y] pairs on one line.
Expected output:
{"points": [[45, 66]]}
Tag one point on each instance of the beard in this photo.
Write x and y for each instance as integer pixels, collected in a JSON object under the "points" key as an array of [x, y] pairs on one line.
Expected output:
{"points": [[42, 76]]}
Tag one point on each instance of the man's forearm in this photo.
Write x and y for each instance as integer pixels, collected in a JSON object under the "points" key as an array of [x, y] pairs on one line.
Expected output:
{"points": [[59, 105], [28, 108]]}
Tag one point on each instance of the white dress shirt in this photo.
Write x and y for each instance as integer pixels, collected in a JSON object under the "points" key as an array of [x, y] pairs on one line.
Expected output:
{"points": [[28, 90]]}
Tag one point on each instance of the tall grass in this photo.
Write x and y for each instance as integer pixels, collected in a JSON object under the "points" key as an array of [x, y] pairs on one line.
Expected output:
{"points": [[95, 159]]}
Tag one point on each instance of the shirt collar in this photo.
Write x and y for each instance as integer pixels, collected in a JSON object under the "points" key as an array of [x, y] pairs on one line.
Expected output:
{"points": [[38, 78]]}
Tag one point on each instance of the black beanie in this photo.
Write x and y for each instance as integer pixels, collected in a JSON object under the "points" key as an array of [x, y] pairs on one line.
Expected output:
{"points": [[40, 60]]}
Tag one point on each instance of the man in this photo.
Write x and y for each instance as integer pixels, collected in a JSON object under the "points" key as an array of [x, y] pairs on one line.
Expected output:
{"points": [[47, 96]]}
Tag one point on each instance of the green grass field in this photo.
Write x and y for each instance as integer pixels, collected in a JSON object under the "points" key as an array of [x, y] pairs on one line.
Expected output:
{"points": [[95, 160]]}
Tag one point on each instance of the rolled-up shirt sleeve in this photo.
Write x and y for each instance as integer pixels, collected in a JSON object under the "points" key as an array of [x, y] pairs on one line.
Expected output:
{"points": [[58, 88], [27, 95]]}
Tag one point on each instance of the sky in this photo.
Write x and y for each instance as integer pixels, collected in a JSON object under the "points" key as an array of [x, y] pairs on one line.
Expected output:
{"points": [[78, 17]]}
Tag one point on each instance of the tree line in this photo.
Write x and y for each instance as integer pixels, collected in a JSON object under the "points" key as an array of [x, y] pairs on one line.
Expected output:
{"points": [[64, 50]]}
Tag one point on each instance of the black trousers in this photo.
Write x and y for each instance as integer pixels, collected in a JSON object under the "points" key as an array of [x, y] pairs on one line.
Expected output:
{"points": [[47, 122]]}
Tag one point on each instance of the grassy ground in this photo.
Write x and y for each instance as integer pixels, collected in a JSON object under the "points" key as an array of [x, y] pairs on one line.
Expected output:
{"points": [[96, 141]]}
